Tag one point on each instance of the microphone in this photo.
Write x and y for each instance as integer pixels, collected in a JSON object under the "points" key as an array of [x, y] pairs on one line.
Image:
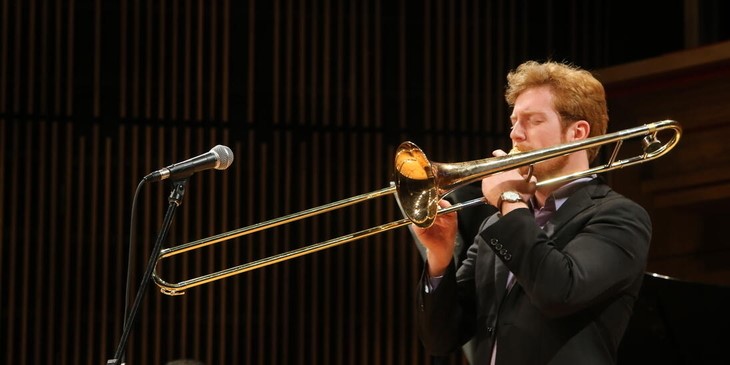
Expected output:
{"points": [[219, 158]]}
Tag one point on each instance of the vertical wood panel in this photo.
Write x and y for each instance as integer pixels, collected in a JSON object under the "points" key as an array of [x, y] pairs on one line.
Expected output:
{"points": [[92, 245], [162, 60], [353, 335], [340, 63], [340, 343], [123, 66], [106, 312], [155, 156], [121, 261], [96, 73], [306, 266], [251, 66], [51, 274], [364, 67], [299, 62], [475, 72], [213, 64], [148, 58], [30, 94], [187, 40], [326, 58], [22, 236], [251, 209], [9, 248], [25, 224], [17, 54], [199, 52], [174, 64], [4, 57], [69, 30], [427, 62], [78, 200], [30, 56], [149, 224], [66, 244]]}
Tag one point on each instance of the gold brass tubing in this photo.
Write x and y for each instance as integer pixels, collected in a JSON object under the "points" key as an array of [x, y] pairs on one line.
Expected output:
{"points": [[418, 186]]}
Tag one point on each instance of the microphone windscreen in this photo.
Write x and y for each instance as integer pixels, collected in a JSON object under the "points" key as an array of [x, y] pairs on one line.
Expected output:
{"points": [[225, 156]]}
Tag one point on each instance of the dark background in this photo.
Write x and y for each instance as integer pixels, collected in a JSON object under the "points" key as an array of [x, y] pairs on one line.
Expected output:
{"points": [[312, 97]]}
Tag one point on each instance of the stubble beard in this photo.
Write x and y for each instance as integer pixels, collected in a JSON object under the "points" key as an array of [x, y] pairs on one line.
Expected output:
{"points": [[550, 168]]}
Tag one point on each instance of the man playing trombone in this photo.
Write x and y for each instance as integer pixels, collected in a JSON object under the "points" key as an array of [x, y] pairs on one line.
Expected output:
{"points": [[552, 277]]}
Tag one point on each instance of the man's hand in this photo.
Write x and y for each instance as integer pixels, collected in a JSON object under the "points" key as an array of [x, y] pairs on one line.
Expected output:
{"points": [[515, 180], [439, 240]]}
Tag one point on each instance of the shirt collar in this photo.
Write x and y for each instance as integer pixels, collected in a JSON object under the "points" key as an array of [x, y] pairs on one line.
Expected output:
{"points": [[561, 194]]}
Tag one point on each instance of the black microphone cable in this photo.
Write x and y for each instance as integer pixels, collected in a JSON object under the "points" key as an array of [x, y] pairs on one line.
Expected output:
{"points": [[132, 226]]}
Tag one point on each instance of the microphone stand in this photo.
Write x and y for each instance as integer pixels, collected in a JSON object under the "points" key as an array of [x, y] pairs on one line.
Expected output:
{"points": [[175, 199]]}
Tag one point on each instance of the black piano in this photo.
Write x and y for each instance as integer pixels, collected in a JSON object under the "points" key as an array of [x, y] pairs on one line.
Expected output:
{"points": [[678, 322]]}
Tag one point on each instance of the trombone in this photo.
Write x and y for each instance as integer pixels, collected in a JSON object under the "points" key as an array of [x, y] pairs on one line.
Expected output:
{"points": [[418, 186]]}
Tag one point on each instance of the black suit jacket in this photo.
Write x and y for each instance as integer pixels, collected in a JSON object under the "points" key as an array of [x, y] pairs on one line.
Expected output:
{"points": [[577, 281]]}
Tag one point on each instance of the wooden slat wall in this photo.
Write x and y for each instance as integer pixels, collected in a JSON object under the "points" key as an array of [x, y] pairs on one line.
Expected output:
{"points": [[312, 96], [686, 243]]}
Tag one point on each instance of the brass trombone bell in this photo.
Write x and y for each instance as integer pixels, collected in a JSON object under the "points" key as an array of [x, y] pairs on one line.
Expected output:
{"points": [[418, 186]]}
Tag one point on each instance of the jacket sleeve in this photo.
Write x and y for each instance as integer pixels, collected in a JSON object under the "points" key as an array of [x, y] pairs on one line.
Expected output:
{"points": [[447, 314], [607, 248]]}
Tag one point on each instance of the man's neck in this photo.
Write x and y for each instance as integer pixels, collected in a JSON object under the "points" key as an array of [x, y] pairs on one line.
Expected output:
{"points": [[543, 193]]}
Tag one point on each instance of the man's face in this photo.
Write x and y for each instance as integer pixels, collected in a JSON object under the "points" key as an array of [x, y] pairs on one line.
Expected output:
{"points": [[536, 125]]}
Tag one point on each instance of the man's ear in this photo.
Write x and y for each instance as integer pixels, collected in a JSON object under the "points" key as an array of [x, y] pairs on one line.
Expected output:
{"points": [[580, 130]]}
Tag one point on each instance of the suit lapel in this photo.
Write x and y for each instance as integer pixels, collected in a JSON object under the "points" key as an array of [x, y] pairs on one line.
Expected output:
{"points": [[581, 200]]}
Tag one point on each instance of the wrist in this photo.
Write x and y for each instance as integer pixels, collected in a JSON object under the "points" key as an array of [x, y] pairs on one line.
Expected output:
{"points": [[436, 265], [436, 270], [510, 199], [508, 207]]}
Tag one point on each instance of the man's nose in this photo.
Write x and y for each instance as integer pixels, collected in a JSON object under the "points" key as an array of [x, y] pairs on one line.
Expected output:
{"points": [[517, 133]]}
